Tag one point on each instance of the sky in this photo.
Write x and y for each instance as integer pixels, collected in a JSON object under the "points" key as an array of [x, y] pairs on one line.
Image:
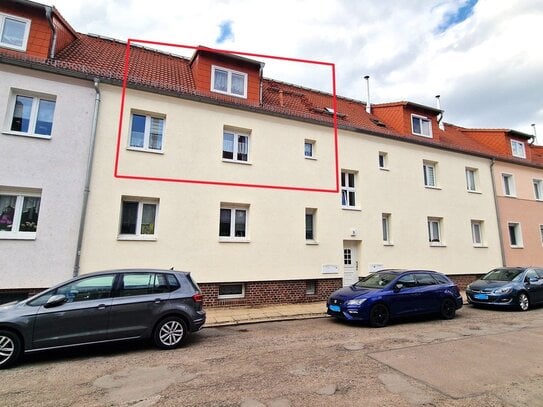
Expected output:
{"points": [[483, 57]]}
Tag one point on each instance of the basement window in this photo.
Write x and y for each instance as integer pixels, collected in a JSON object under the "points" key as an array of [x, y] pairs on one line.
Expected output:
{"points": [[227, 291]]}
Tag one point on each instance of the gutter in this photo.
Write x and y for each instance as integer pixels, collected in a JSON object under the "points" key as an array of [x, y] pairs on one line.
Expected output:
{"points": [[86, 191], [498, 217], [52, 47]]}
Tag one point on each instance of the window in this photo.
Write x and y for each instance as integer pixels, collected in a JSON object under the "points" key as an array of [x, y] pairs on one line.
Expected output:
{"points": [[233, 222], [429, 169], [508, 185], [515, 235], [231, 291], [471, 176], [147, 283], [383, 160], [348, 191], [421, 126], [138, 217], [517, 148], [538, 189], [310, 217], [309, 148], [146, 132], [434, 231], [385, 223], [229, 82], [408, 281], [311, 287], [477, 232], [19, 214], [424, 279], [32, 115], [14, 32], [235, 146]]}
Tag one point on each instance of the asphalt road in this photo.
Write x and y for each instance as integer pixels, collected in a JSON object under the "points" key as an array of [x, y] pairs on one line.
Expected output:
{"points": [[481, 358]]}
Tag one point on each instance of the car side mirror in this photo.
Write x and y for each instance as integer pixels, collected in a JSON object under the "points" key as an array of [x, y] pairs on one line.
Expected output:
{"points": [[55, 301], [533, 279], [398, 287]]}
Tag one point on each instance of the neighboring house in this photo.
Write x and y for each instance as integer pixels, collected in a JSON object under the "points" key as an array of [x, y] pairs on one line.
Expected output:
{"points": [[44, 145], [222, 172]]}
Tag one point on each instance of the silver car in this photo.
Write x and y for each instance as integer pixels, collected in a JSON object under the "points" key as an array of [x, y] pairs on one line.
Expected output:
{"points": [[102, 307]]}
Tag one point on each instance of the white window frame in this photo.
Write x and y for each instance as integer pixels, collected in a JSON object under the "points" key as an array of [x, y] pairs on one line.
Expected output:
{"points": [[33, 119], [386, 230], [19, 195], [312, 154], [234, 208], [231, 296], [313, 213], [435, 231], [477, 233], [538, 189], [25, 21], [426, 167], [147, 132], [471, 179], [237, 135], [138, 235], [383, 160], [229, 73], [508, 184], [422, 120], [311, 287], [517, 230], [518, 149], [347, 190]]}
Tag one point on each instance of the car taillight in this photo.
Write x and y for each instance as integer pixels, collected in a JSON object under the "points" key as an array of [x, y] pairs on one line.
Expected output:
{"points": [[198, 297]]}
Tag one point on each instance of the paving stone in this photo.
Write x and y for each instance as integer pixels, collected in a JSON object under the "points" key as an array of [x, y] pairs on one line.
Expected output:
{"points": [[329, 390]]}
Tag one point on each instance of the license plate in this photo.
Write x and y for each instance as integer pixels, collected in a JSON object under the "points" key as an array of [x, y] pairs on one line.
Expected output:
{"points": [[480, 296], [335, 308]]}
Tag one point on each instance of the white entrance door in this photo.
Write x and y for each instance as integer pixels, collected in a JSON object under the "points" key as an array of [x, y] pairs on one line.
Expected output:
{"points": [[350, 263]]}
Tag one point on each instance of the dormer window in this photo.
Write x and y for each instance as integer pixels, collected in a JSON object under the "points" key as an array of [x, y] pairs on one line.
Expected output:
{"points": [[517, 148], [421, 126], [228, 82], [14, 32]]}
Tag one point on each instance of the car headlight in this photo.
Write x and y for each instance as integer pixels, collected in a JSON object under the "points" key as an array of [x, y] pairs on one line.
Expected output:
{"points": [[503, 290], [356, 302]]}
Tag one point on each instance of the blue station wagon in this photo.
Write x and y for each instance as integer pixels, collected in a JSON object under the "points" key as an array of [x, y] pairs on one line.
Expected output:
{"points": [[389, 294]]}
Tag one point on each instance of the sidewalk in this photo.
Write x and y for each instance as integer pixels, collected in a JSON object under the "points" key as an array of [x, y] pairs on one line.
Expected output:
{"points": [[284, 312]]}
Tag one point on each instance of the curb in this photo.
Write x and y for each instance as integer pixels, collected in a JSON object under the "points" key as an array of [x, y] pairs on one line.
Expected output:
{"points": [[264, 319]]}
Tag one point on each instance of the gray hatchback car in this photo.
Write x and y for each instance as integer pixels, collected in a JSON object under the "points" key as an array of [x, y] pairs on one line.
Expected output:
{"points": [[102, 307]]}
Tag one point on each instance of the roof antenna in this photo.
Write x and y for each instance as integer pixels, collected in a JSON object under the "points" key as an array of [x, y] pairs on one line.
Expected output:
{"points": [[534, 138], [440, 117], [368, 104]]}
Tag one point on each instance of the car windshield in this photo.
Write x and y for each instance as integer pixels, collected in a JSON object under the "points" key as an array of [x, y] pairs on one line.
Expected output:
{"points": [[502, 274], [377, 280]]}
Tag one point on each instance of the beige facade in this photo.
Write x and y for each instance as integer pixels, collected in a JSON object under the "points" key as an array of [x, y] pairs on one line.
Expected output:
{"points": [[186, 232]]}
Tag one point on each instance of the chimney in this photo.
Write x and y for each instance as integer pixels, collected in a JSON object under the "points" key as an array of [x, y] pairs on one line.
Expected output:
{"points": [[440, 118], [281, 101], [368, 104], [535, 134]]}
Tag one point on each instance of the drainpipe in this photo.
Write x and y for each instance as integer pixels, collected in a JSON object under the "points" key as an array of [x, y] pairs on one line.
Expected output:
{"points": [[52, 48], [87, 178], [500, 235]]}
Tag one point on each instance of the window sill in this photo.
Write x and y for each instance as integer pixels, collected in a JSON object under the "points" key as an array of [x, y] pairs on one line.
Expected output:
{"points": [[225, 160], [16, 133], [17, 236], [145, 150], [150, 238], [231, 297], [388, 244], [431, 187], [509, 196], [351, 208], [436, 244], [517, 247], [474, 192], [422, 135], [480, 246], [384, 169], [311, 243], [233, 240], [310, 158]]}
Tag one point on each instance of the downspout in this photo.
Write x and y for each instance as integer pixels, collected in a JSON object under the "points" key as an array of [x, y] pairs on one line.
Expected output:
{"points": [[500, 235], [52, 48], [86, 191]]}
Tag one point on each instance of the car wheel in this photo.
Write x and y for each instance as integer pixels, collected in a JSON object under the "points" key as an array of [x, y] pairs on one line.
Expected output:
{"points": [[523, 302], [170, 333], [448, 309], [10, 349], [379, 315]]}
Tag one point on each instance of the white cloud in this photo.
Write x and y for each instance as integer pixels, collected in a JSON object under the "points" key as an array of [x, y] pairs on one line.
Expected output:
{"points": [[487, 68]]}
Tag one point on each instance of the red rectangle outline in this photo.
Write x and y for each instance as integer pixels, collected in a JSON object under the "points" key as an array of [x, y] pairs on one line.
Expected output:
{"points": [[232, 184]]}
